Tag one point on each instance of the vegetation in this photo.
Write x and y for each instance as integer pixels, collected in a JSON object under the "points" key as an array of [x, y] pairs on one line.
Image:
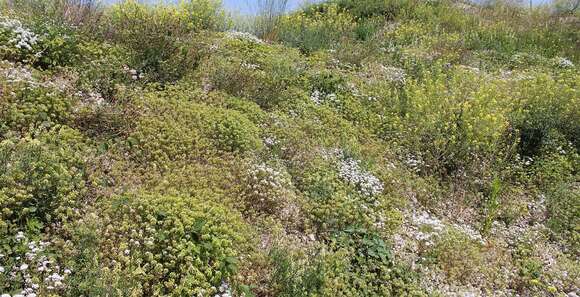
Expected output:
{"points": [[353, 148]]}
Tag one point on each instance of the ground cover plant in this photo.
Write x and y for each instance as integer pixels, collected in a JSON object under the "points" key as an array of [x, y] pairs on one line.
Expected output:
{"points": [[348, 148]]}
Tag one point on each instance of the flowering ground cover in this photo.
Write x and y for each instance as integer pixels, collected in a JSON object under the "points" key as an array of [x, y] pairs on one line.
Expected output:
{"points": [[355, 148]]}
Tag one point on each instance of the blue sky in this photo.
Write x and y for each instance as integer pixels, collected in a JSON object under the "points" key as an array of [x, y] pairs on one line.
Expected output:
{"points": [[248, 6]]}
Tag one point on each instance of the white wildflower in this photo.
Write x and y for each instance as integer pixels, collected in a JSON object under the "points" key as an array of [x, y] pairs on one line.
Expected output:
{"points": [[20, 236], [20, 36], [564, 63], [243, 36], [250, 66], [319, 97], [367, 184], [394, 74], [270, 141]]}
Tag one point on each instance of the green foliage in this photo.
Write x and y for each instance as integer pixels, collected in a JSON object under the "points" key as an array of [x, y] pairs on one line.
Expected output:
{"points": [[26, 106], [160, 35], [549, 105], [454, 117], [234, 132], [563, 203], [40, 43], [163, 245], [493, 204], [244, 68], [294, 278], [460, 257], [314, 30], [105, 67], [355, 262], [42, 179], [206, 163], [174, 128]]}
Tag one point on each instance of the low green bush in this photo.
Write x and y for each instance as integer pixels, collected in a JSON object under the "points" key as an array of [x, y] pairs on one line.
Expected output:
{"points": [[42, 180], [233, 132], [165, 245], [39, 43], [27, 104], [159, 36], [563, 205], [252, 70], [355, 262]]}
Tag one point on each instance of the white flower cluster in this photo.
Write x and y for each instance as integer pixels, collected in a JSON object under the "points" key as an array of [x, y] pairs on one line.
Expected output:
{"points": [[263, 175], [564, 63], [367, 184], [415, 163], [224, 290], [21, 37], [319, 97], [427, 227], [271, 141], [34, 262], [394, 74], [250, 66], [135, 75], [243, 36]]}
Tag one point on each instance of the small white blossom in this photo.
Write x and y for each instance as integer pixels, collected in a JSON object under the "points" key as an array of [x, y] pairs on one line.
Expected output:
{"points": [[394, 74], [564, 63], [20, 236], [367, 184], [250, 66], [243, 36], [319, 97], [21, 37]]}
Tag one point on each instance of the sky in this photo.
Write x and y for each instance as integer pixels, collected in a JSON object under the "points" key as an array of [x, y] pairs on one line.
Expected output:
{"points": [[248, 6]]}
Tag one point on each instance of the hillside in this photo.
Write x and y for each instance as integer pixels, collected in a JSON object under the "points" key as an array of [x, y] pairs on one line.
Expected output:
{"points": [[353, 148]]}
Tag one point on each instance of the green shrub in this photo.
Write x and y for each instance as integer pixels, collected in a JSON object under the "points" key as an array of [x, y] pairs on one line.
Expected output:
{"points": [[316, 29], [41, 180], [159, 35], [58, 45], [234, 132], [29, 105], [31, 265], [548, 106], [166, 245], [460, 257], [39, 43], [17, 41], [354, 262], [367, 267], [563, 205], [103, 68], [258, 72], [173, 127], [453, 119]]}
